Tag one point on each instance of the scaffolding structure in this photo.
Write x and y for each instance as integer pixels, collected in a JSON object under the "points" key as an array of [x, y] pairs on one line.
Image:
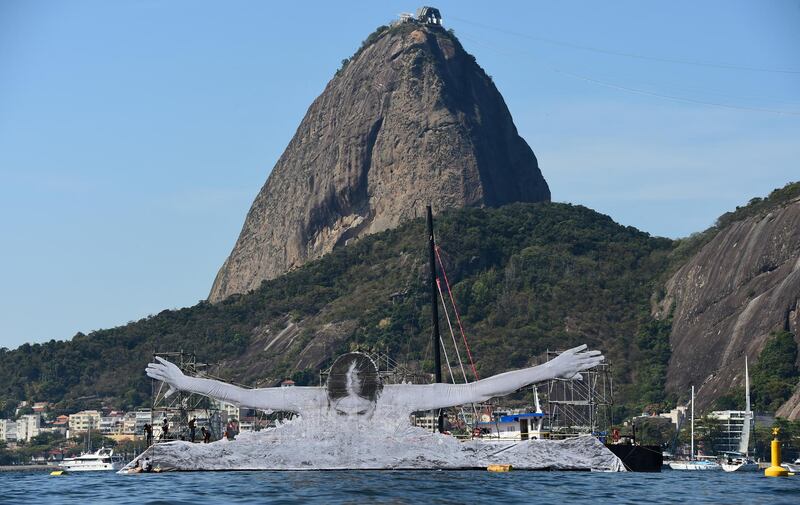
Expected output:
{"points": [[177, 407], [389, 370], [583, 406]]}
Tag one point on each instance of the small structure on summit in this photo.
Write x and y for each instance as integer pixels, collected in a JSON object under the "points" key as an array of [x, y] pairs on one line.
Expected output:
{"points": [[429, 16]]}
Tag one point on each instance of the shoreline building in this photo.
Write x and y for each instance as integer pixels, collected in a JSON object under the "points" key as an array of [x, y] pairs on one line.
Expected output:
{"points": [[677, 416], [730, 424], [83, 421], [8, 430], [112, 424], [28, 426]]}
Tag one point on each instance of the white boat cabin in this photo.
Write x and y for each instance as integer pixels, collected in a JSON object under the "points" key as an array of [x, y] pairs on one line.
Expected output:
{"points": [[527, 426]]}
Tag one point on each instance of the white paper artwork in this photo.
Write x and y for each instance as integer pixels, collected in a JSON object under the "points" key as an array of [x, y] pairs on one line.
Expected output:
{"points": [[356, 422]]}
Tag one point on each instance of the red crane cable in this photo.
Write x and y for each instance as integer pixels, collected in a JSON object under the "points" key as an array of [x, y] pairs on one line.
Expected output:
{"points": [[458, 316]]}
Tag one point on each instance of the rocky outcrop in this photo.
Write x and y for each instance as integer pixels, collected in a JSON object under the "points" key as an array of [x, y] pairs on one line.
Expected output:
{"points": [[742, 285], [791, 409], [410, 120]]}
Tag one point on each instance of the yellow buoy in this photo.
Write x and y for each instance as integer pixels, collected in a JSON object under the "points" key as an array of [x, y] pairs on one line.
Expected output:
{"points": [[776, 470], [57, 473], [499, 468]]}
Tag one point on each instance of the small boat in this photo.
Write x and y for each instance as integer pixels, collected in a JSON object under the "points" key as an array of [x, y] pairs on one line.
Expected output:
{"points": [[740, 464], [699, 464], [740, 461], [692, 463], [793, 467], [101, 460]]}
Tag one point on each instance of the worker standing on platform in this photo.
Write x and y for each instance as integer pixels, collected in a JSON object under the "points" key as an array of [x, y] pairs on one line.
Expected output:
{"points": [[165, 429], [192, 428], [148, 433]]}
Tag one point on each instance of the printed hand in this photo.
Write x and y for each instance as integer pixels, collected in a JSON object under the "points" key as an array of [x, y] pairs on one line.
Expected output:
{"points": [[568, 364], [166, 372]]}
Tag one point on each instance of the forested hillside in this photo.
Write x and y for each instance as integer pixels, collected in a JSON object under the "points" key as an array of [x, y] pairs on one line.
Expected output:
{"points": [[526, 277]]}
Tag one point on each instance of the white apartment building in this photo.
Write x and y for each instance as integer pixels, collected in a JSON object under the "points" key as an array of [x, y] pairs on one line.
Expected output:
{"points": [[142, 417], [129, 424], [111, 425], [731, 423], [8, 430], [84, 421], [677, 415], [232, 411], [28, 426]]}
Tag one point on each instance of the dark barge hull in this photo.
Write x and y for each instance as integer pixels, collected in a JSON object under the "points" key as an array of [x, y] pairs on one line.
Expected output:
{"points": [[639, 458]]}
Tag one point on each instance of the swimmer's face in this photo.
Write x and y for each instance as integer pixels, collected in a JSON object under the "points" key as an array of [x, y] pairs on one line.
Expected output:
{"points": [[353, 405]]}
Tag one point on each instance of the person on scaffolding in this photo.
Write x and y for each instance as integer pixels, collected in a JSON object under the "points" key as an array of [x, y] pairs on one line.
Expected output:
{"points": [[354, 387], [192, 422], [206, 435], [148, 433], [165, 429]]}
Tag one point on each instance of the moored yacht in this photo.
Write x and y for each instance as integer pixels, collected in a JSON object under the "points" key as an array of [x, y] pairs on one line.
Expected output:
{"points": [[793, 467], [695, 464], [102, 460], [740, 464]]}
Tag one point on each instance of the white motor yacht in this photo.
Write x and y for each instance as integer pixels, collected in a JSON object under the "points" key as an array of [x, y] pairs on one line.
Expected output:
{"points": [[101, 460]]}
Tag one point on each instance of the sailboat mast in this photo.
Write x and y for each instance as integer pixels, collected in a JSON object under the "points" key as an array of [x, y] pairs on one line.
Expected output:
{"points": [[746, 387], [435, 310], [744, 443], [691, 450]]}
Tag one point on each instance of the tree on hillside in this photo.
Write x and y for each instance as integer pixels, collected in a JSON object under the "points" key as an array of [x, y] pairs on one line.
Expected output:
{"points": [[775, 374]]}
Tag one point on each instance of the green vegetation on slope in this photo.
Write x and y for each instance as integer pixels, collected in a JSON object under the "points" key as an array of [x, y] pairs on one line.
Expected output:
{"points": [[652, 339], [685, 248], [371, 39], [758, 206], [526, 277], [775, 374]]}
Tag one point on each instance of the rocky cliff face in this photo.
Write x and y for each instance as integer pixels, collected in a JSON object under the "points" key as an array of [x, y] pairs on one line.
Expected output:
{"points": [[410, 120], [742, 285]]}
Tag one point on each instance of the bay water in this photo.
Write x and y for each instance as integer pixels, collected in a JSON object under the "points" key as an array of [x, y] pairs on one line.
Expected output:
{"points": [[399, 487]]}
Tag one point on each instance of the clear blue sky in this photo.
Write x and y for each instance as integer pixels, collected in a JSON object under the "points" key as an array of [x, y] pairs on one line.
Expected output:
{"points": [[134, 135]]}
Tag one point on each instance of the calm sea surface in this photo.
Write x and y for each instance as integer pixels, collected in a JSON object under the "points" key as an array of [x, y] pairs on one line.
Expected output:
{"points": [[560, 488]]}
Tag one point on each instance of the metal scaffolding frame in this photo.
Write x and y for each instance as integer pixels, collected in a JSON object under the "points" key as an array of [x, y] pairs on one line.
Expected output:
{"points": [[176, 407], [580, 406], [389, 371]]}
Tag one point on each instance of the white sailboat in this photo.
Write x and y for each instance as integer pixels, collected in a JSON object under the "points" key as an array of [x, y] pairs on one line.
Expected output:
{"points": [[741, 461], [692, 463]]}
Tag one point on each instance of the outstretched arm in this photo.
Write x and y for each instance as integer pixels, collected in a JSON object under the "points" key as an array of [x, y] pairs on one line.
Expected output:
{"points": [[566, 365], [294, 399]]}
